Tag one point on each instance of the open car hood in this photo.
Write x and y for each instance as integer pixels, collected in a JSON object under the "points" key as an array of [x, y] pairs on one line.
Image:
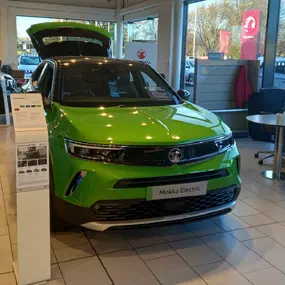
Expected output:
{"points": [[69, 39]]}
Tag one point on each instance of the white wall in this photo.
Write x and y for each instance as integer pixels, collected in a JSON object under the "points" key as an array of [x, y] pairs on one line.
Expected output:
{"points": [[165, 25]]}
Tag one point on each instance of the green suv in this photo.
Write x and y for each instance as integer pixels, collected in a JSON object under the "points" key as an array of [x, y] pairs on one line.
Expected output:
{"points": [[125, 148]]}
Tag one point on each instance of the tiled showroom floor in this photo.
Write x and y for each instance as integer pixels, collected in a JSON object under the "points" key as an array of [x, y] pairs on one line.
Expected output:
{"points": [[245, 247]]}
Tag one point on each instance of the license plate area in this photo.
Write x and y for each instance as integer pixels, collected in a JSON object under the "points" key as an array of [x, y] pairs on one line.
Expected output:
{"points": [[177, 191]]}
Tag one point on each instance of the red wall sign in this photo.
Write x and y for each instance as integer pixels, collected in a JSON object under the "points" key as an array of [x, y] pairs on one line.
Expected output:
{"points": [[225, 40], [250, 34]]}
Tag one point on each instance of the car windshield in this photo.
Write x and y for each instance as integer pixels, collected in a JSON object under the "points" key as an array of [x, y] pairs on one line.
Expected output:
{"points": [[29, 60], [114, 85]]}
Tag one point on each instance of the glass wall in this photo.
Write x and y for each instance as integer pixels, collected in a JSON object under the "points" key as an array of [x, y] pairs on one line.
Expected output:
{"points": [[145, 30], [224, 29], [279, 76], [27, 56]]}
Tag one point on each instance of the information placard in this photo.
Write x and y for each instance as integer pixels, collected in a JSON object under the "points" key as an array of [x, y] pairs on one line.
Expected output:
{"points": [[28, 112], [32, 165]]}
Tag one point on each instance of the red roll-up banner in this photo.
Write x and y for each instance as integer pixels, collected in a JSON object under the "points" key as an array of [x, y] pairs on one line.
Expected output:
{"points": [[250, 34], [225, 40]]}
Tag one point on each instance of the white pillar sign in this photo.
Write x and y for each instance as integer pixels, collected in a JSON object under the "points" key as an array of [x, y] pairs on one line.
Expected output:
{"points": [[142, 51], [32, 182]]}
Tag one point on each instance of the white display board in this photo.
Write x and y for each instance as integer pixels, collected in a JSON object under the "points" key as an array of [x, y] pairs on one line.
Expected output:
{"points": [[142, 51], [28, 112], [32, 182], [32, 166]]}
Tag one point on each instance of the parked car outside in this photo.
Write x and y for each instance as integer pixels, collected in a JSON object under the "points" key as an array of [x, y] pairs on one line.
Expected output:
{"points": [[28, 63], [189, 71], [125, 149]]}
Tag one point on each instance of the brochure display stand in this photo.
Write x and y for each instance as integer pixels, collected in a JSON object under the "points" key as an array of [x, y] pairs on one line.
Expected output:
{"points": [[32, 183]]}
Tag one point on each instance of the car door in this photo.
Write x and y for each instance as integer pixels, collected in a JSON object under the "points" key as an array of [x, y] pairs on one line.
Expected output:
{"points": [[32, 84]]}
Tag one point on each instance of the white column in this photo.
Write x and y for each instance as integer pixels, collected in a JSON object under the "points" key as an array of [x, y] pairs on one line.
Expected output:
{"points": [[12, 39], [119, 30], [164, 40], [177, 43], [4, 32]]}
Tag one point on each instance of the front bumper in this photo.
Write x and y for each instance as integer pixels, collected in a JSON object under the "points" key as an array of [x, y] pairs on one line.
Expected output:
{"points": [[127, 213], [102, 226]]}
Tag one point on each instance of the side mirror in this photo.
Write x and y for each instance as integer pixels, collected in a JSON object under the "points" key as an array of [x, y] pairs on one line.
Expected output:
{"points": [[163, 75], [184, 94]]}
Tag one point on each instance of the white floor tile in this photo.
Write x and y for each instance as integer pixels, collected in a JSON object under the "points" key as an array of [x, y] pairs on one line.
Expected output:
{"points": [[126, 268], [246, 234], [155, 251], [8, 184], [195, 252], [274, 231], [258, 220], [143, 237], [3, 222], [2, 205], [266, 276], [71, 238], [245, 194], [270, 250], [220, 273], [74, 252], [12, 224], [52, 257], [106, 242], [281, 204], [8, 279], [55, 272], [202, 228], [263, 191], [10, 203], [173, 270], [175, 232], [230, 222], [266, 207], [6, 262], [87, 271], [235, 253], [56, 282], [242, 209]]}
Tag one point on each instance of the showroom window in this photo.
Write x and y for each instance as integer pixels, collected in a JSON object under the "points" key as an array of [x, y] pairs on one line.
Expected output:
{"points": [[279, 76], [27, 56], [145, 30], [215, 29]]}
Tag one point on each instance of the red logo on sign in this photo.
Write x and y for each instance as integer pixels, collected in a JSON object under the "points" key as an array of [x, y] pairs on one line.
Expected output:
{"points": [[141, 54], [250, 24]]}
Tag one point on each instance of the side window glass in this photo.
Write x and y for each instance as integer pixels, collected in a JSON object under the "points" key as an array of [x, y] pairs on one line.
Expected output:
{"points": [[45, 81], [36, 76], [148, 81]]}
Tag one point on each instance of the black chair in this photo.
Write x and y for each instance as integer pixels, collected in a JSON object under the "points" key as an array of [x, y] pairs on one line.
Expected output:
{"points": [[266, 101]]}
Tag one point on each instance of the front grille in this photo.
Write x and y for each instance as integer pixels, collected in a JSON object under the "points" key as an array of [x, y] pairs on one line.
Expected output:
{"points": [[152, 155], [160, 156], [170, 180], [122, 210]]}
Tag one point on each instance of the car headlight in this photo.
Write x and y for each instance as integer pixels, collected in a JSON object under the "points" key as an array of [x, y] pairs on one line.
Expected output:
{"points": [[98, 153], [224, 143]]}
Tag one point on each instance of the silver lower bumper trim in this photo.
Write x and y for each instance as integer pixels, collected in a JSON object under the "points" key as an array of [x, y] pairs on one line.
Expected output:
{"points": [[102, 226]]}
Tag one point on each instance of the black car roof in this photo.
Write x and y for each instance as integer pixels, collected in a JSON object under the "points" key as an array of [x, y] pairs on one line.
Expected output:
{"points": [[79, 60]]}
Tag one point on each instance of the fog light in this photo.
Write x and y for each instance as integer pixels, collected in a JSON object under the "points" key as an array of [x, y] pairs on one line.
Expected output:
{"points": [[96, 207], [75, 182]]}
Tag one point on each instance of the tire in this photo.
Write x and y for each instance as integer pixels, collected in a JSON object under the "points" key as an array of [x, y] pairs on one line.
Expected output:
{"points": [[260, 162], [256, 155], [57, 224]]}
